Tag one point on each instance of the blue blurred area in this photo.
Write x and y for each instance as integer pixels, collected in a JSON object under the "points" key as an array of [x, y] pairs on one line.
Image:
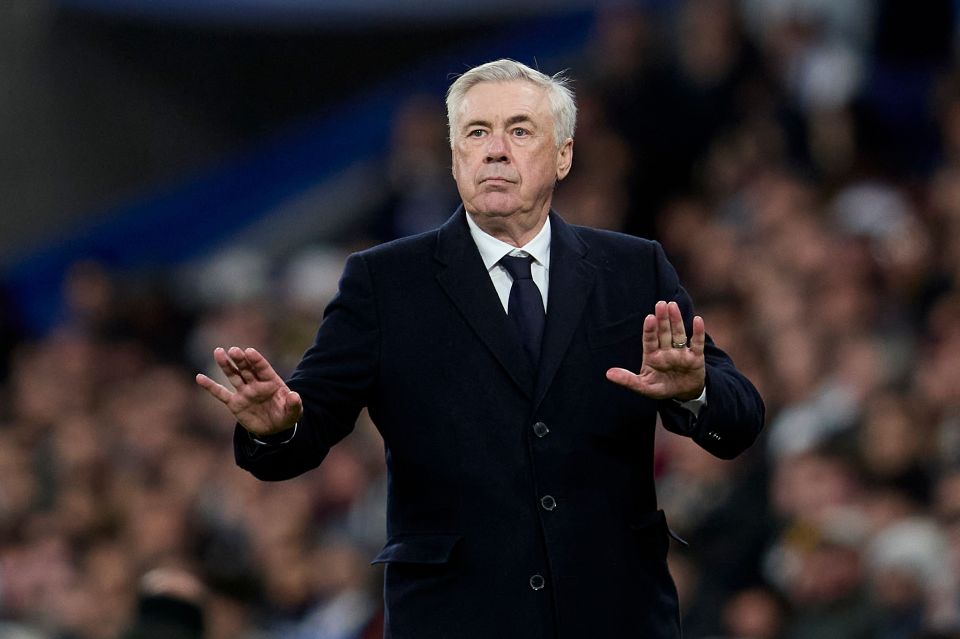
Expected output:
{"points": [[207, 211], [319, 11]]}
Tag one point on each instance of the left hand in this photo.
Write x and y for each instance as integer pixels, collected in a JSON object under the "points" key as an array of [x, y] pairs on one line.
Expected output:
{"points": [[671, 369]]}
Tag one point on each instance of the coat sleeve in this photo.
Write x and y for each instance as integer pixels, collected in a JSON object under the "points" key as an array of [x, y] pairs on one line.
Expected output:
{"points": [[335, 380], [733, 415]]}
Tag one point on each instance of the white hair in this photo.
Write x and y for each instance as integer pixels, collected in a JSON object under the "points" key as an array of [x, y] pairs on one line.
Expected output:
{"points": [[562, 103]]}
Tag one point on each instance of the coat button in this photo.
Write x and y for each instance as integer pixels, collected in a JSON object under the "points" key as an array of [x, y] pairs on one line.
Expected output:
{"points": [[540, 429], [537, 582], [548, 502]]}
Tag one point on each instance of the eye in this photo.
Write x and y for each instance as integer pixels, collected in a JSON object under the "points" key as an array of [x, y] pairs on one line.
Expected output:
{"points": [[520, 132], [476, 133]]}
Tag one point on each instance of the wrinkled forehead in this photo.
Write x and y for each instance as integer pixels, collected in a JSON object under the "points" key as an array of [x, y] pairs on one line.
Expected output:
{"points": [[489, 99]]}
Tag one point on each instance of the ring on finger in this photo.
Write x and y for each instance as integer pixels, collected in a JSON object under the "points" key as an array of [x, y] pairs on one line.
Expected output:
{"points": [[679, 344]]}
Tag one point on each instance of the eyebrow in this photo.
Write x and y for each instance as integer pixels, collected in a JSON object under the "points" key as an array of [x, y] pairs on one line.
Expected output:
{"points": [[513, 119]]}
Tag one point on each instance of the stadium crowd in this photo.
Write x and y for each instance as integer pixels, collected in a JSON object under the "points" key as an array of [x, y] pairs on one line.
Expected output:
{"points": [[800, 162]]}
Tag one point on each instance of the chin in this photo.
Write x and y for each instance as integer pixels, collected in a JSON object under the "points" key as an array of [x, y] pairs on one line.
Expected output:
{"points": [[497, 206]]}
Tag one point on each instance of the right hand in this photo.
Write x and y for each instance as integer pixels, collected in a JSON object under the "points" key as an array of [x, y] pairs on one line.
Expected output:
{"points": [[261, 402]]}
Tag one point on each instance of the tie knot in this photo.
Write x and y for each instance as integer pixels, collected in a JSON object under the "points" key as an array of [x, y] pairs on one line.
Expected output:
{"points": [[519, 267]]}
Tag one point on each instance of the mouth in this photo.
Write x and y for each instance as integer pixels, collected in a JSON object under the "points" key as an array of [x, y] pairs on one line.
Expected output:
{"points": [[496, 180]]}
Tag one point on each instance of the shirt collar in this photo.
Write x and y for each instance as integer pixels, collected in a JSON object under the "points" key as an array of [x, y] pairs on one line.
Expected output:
{"points": [[492, 250]]}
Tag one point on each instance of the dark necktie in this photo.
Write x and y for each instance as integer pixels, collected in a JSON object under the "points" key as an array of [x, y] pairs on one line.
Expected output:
{"points": [[525, 306]]}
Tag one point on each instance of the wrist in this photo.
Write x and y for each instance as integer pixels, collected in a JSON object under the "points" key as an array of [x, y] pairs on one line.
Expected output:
{"points": [[690, 396], [276, 438]]}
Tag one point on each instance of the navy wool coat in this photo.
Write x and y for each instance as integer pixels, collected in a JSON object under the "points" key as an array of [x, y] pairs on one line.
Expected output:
{"points": [[521, 500]]}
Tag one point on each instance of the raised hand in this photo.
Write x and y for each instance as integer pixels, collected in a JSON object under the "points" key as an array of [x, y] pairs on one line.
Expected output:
{"points": [[260, 401], [672, 368]]}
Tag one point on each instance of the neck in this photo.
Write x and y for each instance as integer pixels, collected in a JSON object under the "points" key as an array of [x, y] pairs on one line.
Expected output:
{"points": [[516, 230]]}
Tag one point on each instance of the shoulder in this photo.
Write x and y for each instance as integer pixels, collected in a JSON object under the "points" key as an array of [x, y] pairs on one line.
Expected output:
{"points": [[412, 244], [615, 254], [399, 250], [395, 263], [612, 239], [621, 249]]}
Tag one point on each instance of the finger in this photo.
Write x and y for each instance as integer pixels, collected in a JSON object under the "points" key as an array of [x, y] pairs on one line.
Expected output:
{"points": [[228, 367], [294, 404], [699, 337], [243, 366], [259, 365], [623, 377], [635, 383], [651, 341], [663, 324], [258, 392], [214, 388], [678, 334]]}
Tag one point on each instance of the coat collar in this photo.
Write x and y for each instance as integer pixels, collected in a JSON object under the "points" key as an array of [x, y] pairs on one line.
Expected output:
{"points": [[571, 282], [467, 283]]}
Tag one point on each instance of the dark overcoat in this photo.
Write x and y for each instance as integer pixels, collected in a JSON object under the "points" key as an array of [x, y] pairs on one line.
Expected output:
{"points": [[521, 499]]}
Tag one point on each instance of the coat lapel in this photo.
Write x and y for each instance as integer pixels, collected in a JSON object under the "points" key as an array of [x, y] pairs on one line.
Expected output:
{"points": [[467, 283], [571, 281]]}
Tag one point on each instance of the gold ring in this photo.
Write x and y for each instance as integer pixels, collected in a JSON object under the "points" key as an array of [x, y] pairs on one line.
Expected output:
{"points": [[682, 344]]}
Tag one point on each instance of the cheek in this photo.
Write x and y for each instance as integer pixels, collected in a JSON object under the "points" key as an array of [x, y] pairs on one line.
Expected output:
{"points": [[462, 177], [462, 165], [455, 163], [461, 168], [540, 174]]}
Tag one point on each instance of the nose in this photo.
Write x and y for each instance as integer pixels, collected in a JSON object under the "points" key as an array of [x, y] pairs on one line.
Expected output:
{"points": [[497, 149]]}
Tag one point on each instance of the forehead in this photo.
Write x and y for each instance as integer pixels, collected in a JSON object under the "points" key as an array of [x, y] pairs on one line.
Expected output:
{"points": [[500, 100]]}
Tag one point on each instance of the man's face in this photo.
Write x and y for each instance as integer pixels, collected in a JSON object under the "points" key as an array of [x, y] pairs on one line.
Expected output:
{"points": [[505, 156]]}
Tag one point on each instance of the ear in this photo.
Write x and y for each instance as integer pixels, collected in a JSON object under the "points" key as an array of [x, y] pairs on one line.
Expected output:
{"points": [[564, 158]]}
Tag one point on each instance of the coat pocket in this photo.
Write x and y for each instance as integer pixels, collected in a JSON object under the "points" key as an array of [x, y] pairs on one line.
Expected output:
{"points": [[420, 573], [418, 549]]}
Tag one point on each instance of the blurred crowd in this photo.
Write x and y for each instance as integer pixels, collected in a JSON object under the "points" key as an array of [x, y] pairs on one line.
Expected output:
{"points": [[800, 162]]}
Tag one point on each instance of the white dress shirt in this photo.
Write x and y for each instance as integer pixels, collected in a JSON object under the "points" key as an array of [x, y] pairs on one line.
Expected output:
{"points": [[493, 250]]}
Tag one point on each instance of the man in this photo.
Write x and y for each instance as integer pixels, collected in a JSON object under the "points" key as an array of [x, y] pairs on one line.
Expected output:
{"points": [[519, 442]]}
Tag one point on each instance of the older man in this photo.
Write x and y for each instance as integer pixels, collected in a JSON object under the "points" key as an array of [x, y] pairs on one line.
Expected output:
{"points": [[515, 366]]}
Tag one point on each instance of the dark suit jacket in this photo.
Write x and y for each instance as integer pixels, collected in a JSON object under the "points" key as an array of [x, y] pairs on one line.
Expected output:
{"points": [[501, 473]]}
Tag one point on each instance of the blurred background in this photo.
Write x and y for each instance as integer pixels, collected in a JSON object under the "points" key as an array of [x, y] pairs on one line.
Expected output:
{"points": [[176, 175]]}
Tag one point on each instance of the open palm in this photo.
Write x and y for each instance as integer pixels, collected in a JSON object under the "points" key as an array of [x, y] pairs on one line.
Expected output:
{"points": [[261, 402], [672, 367]]}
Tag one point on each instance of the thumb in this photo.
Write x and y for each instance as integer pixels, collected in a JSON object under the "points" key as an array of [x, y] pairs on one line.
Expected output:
{"points": [[625, 378], [293, 405]]}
